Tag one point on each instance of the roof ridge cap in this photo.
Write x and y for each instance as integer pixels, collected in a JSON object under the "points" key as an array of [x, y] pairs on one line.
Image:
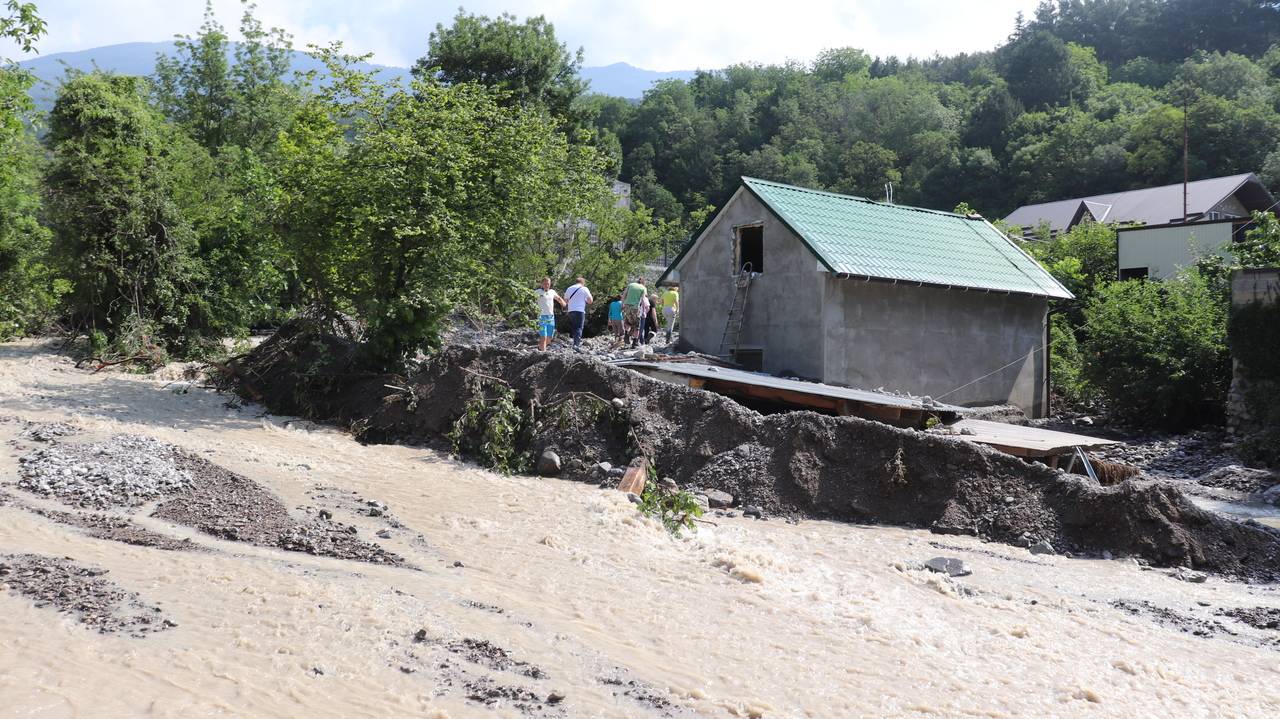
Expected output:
{"points": [[856, 198]]}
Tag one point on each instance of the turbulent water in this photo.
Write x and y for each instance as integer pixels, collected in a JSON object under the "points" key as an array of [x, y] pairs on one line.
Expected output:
{"points": [[743, 618]]}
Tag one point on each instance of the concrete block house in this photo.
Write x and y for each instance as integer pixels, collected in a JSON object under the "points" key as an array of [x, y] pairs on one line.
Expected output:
{"points": [[850, 291]]}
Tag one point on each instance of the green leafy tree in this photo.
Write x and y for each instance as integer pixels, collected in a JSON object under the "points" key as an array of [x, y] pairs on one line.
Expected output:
{"points": [[1043, 71], [243, 103], [1261, 245], [400, 204], [523, 59], [117, 187], [29, 295]]}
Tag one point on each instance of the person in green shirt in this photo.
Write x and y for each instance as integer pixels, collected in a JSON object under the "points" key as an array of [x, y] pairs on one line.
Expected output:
{"points": [[631, 297], [670, 309]]}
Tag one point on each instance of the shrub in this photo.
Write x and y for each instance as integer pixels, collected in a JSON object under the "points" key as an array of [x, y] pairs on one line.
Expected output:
{"points": [[1157, 352]]}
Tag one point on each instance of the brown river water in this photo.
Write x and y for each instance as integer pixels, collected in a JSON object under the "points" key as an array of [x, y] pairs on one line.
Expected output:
{"points": [[744, 618]]}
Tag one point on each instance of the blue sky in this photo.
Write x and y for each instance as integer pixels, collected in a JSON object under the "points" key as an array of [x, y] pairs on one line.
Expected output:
{"points": [[653, 34]]}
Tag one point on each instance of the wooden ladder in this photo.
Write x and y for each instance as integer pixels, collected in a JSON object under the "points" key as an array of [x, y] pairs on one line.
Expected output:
{"points": [[737, 311]]}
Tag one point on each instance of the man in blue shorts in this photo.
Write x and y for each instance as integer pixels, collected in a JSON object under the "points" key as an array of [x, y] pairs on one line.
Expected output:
{"points": [[546, 299]]}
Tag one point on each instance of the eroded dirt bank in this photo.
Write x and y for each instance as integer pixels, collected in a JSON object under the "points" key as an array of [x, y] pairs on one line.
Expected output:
{"points": [[804, 463]]}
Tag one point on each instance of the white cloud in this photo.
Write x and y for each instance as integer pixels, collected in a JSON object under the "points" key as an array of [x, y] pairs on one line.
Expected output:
{"points": [[655, 34]]}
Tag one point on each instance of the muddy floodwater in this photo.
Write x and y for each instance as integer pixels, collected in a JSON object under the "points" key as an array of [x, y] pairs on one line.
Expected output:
{"points": [[520, 596]]}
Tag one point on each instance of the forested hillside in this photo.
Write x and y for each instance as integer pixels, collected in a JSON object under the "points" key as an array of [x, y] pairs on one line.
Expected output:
{"points": [[1085, 97]]}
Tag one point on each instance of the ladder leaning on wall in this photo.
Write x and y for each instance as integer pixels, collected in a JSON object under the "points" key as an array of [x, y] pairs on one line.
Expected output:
{"points": [[737, 310]]}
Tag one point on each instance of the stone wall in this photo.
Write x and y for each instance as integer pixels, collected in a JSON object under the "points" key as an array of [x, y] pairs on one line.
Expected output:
{"points": [[1249, 285]]}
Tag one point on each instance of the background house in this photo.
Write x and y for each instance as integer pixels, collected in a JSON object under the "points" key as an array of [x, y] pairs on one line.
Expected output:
{"points": [[1154, 240], [1220, 198], [851, 291]]}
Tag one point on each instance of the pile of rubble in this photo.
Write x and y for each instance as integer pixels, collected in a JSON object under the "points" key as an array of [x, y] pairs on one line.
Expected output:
{"points": [[81, 592], [127, 471], [797, 463], [123, 471]]}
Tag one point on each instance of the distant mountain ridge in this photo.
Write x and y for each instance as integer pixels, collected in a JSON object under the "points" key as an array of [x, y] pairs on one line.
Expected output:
{"points": [[139, 58]]}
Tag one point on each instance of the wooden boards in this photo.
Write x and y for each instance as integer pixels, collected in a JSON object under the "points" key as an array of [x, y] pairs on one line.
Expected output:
{"points": [[636, 476]]}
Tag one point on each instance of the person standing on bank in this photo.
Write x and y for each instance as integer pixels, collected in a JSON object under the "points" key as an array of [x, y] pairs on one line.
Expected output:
{"points": [[631, 316], [547, 299], [578, 297], [670, 309]]}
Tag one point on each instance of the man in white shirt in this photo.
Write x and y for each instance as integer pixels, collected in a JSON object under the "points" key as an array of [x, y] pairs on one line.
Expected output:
{"points": [[578, 297], [546, 299]]}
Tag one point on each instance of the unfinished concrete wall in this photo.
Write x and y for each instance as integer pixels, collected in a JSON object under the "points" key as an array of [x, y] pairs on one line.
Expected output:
{"points": [[784, 307], [1248, 285], [929, 341], [1165, 250]]}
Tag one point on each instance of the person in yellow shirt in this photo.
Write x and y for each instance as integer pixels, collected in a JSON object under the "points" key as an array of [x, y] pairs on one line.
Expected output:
{"points": [[670, 309]]}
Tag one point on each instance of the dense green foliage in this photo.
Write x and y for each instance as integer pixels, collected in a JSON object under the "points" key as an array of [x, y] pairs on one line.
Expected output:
{"points": [[1160, 352], [524, 60], [29, 294], [244, 103], [400, 205], [120, 187], [223, 194], [1064, 109]]}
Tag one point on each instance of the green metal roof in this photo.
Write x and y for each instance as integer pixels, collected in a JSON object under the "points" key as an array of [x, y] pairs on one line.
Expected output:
{"points": [[863, 238]]}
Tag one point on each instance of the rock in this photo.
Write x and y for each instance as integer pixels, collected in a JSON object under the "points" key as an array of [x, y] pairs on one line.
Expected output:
{"points": [[1272, 495], [374, 512], [603, 467], [1083, 421], [1187, 575], [383, 534], [1010, 500], [752, 510], [949, 566], [326, 514], [633, 498], [1041, 547], [555, 698], [717, 499], [669, 484], [548, 464], [458, 564], [619, 403], [1024, 541], [1107, 555], [420, 635]]}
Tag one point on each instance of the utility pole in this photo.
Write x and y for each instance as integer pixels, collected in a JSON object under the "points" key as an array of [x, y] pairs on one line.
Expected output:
{"points": [[1186, 144]]}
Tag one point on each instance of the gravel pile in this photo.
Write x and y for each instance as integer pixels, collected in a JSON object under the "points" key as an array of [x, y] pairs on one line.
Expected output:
{"points": [[123, 471], [47, 431], [126, 471], [1183, 456], [80, 591]]}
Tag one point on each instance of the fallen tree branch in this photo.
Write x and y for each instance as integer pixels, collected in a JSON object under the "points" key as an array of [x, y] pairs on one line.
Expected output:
{"points": [[103, 364], [486, 376]]}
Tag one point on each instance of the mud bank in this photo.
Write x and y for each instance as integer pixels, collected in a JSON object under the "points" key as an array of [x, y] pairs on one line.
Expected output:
{"points": [[802, 463]]}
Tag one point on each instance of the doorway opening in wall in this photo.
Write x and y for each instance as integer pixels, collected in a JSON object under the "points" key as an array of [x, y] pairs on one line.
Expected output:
{"points": [[750, 359], [750, 249]]}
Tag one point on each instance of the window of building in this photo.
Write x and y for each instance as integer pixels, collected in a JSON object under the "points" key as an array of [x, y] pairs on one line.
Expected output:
{"points": [[1134, 273], [750, 249]]}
